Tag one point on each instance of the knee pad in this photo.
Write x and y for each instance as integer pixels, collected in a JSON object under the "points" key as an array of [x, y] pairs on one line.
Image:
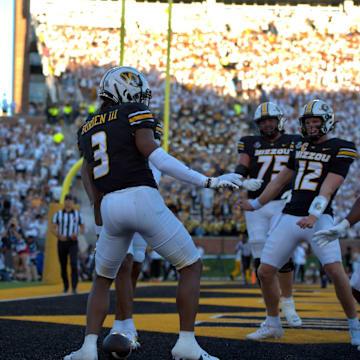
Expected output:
{"points": [[288, 267]]}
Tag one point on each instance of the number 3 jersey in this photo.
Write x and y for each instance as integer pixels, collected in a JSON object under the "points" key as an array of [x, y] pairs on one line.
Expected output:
{"points": [[267, 158], [107, 142], [312, 163]]}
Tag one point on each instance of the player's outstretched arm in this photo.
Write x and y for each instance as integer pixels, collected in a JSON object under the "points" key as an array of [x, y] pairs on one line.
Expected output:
{"points": [[167, 164], [323, 237], [243, 169], [331, 183], [272, 190]]}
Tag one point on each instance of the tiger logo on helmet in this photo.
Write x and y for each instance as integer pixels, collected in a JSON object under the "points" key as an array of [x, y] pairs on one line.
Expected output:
{"points": [[125, 84], [318, 108], [269, 110]]}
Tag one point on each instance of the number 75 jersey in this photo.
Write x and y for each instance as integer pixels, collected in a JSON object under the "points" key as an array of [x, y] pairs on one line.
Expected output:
{"points": [[312, 163], [267, 158]]}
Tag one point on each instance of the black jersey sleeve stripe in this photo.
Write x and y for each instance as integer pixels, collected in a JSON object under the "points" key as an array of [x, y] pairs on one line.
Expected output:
{"points": [[140, 116], [347, 153]]}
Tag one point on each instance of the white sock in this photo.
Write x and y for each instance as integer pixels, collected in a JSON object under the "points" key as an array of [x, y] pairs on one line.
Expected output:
{"points": [[287, 299], [187, 336], [117, 326], [90, 341], [273, 321], [353, 323], [128, 324]]}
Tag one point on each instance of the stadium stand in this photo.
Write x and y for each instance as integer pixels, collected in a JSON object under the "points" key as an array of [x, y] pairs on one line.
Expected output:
{"points": [[224, 62]]}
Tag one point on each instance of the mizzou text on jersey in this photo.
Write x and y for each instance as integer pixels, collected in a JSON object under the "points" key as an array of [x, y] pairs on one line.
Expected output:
{"points": [[267, 158]]}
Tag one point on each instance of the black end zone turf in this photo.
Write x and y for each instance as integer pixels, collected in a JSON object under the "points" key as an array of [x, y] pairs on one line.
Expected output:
{"points": [[23, 340]]}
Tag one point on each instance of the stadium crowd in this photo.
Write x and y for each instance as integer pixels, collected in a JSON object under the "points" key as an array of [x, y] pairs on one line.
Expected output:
{"points": [[218, 79]]}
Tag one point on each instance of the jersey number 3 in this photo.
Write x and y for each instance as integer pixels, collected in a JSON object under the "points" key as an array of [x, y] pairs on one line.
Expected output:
{"points": [[98, 141]]}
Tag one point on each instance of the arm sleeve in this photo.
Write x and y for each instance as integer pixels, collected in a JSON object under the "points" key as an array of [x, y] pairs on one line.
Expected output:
{"points": [[242, 170], [169, 165]]}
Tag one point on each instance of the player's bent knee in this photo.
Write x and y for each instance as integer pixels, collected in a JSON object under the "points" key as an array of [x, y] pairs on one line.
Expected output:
{"points": [[126, 265], [334, 270], [288, 267], [266, 271]]}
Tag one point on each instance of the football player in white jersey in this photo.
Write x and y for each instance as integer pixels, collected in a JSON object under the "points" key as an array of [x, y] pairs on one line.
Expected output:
{"points": [[316, 171], [263, 156]]}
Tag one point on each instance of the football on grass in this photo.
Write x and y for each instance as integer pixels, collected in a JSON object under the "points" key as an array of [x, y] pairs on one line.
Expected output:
{"points": [[117, 346]]}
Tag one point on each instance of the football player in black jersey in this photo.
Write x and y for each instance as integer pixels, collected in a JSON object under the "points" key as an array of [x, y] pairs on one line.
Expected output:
{"points": [[127, 276], [316, 171], [118, 143], [264, 156]]}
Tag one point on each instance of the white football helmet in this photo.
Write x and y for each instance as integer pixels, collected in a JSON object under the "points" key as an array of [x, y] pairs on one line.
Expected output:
{"points": [[318, 108], [270, 110], [125, 84]]}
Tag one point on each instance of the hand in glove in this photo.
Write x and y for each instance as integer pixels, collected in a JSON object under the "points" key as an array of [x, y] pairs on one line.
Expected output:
{"points": [[252, 184], [227, 180], [324, 237]]}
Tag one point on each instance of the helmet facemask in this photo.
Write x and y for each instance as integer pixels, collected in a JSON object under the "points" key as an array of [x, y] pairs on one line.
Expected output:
{"points": [[270, 134]]}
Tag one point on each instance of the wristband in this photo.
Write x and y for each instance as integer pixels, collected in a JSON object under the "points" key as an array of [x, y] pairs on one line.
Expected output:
{"points": [[98, 229], [318, 205], [255, 204], [208, 183]]}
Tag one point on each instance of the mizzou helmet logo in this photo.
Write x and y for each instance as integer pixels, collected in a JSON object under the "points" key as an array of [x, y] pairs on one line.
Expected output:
{"points": [[131, 79]]}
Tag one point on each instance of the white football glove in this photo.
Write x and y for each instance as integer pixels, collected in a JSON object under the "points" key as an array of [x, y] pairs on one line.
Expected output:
{"points": [[252, 184], [286, 196], [324, 237], [227, 180]]}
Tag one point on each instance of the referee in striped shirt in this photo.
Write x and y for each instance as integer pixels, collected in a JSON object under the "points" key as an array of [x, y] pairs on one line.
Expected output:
{"points": [[66, 226]]}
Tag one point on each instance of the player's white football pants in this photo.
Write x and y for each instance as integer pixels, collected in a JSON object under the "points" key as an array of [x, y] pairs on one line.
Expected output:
{"points": [[140, 209], [286, 235], [258, 224]]}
